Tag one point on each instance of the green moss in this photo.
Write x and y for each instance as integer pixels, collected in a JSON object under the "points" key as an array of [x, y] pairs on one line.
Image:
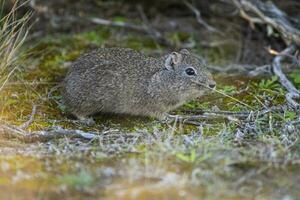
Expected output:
{"points": [[140, 43], [178, 38], [80, 180], [96, 37], [208, 155], [296, 77]]}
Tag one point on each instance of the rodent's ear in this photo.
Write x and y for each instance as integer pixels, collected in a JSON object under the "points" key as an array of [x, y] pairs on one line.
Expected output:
{"points": [[173, 59], [185, 51]]}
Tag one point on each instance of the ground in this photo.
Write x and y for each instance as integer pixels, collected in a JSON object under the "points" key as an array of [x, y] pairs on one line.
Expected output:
{"points": [[134, 158]]}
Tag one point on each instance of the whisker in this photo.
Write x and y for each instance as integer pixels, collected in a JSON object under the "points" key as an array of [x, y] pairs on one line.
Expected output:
{"points": [[224, 94]]}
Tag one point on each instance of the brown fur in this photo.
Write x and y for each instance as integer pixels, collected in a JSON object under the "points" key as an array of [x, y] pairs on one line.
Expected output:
{"points": [[124, 81]]}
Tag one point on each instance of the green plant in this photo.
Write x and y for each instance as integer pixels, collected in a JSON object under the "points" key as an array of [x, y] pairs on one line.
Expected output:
{"points": [[269, 83], [83, 179], [296, 77], [289, 115], [190, 158], [228, 89]]}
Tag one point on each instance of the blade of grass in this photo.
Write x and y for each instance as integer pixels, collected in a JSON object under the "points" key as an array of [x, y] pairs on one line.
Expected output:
{"points": [[224, 94], [13, 33]]}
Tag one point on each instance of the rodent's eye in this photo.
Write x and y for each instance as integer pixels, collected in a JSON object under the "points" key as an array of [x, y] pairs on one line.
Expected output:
{"points": [[190, 71]]}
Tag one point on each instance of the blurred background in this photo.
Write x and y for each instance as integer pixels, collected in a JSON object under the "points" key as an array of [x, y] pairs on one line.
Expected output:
{"points": [[245, 144], [169, 24]]}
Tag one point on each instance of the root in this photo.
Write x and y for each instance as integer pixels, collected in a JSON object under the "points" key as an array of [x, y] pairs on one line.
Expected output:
{"points": [[293, 92]]}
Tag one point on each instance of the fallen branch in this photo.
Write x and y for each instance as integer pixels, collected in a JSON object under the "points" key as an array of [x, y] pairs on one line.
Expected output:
{"points": [[218, 113], [199, 18], [156, 35], [144, 29], [207, 115], [9, 131], [238, 69], [191, 116], [107, 136], [268, 13], [106, 22], [293, 92]]}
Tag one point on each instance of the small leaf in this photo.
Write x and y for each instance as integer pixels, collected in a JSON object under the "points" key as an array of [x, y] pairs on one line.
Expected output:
{"points": [[183, 157], [119, 19], [228, 89], [270, 30], [296, 77], [289, 115]]}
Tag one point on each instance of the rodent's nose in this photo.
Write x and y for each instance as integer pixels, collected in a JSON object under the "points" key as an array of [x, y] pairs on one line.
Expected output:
{"points": [[212, 86]]}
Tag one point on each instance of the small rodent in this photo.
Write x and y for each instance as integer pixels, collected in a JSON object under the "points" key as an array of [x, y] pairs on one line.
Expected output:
{"points": [[125, 81]]}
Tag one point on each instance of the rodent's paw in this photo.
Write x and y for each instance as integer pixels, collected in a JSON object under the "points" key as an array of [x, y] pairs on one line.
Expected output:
{"points": [[87, 121], [170, 118]]}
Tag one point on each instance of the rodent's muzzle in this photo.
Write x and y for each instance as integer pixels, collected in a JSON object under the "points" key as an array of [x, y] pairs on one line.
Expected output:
{"points": [[211, 84]]}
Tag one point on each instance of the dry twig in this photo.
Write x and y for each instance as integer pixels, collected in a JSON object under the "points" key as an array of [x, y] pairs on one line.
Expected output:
{"points": [[242, 69], [293, 92], [268, 13], [31, 118], [105, 22], [106, 136], [140, 28], [208, 115], [199, 18], [156, 35], [9, 131]]}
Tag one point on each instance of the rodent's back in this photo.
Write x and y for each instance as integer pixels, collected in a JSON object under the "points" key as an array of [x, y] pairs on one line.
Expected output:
{"points": [[123, 56], [108, 80]]}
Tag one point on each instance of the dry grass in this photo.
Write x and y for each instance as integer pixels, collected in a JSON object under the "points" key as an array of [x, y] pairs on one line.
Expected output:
{"points": [[13, 32]]}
